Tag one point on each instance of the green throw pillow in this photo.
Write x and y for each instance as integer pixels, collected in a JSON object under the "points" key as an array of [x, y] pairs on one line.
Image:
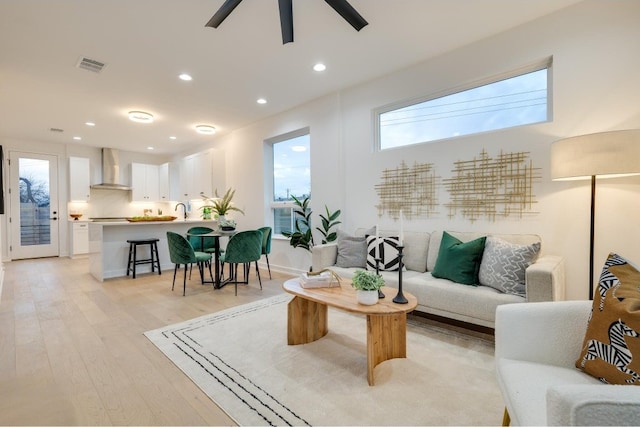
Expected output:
{"points": [[457, 261]]}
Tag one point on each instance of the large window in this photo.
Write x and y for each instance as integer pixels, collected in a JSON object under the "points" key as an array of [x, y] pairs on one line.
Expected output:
{"points": [[291, 176], [521, 98]]}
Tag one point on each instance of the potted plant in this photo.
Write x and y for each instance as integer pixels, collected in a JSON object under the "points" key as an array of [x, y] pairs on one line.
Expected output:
{"points": [[221, 205], [367, 284], [302, 236]]}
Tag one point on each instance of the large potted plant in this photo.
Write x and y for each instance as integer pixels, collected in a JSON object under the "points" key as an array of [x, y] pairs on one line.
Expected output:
{"points": [[367, 284], [302, 236]]}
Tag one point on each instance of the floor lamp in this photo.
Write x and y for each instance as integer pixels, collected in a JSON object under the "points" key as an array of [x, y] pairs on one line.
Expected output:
{"points": [[597, 155]]}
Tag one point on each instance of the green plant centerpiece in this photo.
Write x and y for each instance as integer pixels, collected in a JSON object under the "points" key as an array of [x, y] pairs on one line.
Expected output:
{"points": [[367, 285], [302, 235], [220, 206]]}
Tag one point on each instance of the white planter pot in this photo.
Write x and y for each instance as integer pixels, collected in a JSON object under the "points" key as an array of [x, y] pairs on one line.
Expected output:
{"points": [[367, 297]]}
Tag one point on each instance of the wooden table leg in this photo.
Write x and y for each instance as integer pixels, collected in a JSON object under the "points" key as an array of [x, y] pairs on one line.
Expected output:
{"points": [[386, 339], [306, 322]]}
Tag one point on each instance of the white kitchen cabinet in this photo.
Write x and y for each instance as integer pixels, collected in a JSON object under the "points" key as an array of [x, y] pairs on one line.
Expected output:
{"points": [[79, 238], [164, 183], [144, 181], [79, 179], [196, 176]]}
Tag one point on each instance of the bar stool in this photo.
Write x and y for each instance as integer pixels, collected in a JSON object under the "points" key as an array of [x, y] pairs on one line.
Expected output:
{"points": [[133, 260]]}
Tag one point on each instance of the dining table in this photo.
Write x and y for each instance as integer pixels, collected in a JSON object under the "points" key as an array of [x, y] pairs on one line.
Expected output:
{"points": [[216, 234]]}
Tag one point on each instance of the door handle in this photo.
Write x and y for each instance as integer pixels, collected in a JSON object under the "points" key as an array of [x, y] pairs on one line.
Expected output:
{"points": [[54, 218]]}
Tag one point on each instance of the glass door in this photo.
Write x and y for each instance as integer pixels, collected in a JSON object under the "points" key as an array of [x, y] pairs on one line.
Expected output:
{"points": [[34, 205]]}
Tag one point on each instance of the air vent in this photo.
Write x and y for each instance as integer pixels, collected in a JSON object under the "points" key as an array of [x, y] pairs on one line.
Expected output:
{"points": [[90, 64], [56, 130]]}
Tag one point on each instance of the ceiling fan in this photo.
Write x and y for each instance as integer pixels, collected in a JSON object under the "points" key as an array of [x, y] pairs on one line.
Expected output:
{"points": [[286, 15]]}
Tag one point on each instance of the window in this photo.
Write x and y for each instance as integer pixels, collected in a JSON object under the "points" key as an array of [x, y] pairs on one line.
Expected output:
{"points": [[291, 176], [520, 99]]}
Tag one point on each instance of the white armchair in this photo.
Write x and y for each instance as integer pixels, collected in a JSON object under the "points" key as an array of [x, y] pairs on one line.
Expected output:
{"points": [[537, 345]]}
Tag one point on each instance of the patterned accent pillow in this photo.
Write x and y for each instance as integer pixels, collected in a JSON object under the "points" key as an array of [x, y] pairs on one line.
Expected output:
{"points": [[503, 265], [611, 348], [388, 252]]}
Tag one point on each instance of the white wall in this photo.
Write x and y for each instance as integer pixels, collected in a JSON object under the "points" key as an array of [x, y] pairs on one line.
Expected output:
{"points": [[595, 87]]}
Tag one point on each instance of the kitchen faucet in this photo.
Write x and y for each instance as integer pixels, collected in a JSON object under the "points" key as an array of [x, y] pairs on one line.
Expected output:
{"points": [[184, 208]]}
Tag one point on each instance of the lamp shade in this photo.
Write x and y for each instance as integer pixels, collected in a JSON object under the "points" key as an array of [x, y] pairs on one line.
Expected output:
{"points": [[615, 153]]}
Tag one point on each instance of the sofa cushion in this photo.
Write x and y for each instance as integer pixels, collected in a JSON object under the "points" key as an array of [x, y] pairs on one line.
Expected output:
{"points": [[352, 251], [504, 264], [387, 251], [458, 261], [611, 349]]}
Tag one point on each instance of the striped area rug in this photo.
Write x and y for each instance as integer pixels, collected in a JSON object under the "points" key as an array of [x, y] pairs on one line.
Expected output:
{"points": [[240, 358]]}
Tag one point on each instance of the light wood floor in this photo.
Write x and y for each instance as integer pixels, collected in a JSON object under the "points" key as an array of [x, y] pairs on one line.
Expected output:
{"points": [[72, 349]]}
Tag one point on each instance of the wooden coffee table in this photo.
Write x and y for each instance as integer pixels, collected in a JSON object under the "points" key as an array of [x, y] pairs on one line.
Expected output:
{"points": [[386, 321]]}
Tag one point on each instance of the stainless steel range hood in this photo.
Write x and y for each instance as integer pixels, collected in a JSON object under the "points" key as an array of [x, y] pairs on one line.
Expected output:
{"points": [[111, 171]]}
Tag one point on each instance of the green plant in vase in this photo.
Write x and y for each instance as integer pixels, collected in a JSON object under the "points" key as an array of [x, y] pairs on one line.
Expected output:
{"points": [[367, 285]]}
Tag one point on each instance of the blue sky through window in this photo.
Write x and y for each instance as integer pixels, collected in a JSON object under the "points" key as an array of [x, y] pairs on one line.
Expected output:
{"points": [[506, 103], [291, 168]]}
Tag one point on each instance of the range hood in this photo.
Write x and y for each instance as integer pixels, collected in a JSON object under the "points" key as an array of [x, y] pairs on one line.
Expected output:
{"points": [[111, 171]]}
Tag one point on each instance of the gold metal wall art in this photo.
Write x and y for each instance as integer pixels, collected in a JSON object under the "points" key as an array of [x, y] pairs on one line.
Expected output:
{"points": [[492, 187], [410, 189]]}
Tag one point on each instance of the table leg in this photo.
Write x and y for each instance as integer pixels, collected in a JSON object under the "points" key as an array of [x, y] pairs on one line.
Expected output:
{"points": [[216, 257], [306, 321], [386, 339]]}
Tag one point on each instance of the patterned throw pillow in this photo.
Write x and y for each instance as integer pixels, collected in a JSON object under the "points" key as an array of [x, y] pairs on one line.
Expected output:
{"points": [[503, 265], [611, 348], [387, 250]]}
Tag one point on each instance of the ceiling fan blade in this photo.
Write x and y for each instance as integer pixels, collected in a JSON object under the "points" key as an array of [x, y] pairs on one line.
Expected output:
{"points": [[222, 13], [286, 20], [348, 13]]}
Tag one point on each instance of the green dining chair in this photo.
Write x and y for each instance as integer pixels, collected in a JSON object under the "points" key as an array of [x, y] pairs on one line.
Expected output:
{"points": [[266, 245], [243, 248], [181, 252], [200, 244]]}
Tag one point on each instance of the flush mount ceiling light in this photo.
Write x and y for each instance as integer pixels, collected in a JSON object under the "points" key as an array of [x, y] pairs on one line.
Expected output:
{"points": [[261, 101], [205, 129], [186, 77], [140, 117], [319, 67]]}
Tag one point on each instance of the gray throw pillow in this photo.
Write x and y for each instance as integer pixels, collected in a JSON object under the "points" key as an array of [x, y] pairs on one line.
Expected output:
{"points": [[503, 265], [352, 251]]}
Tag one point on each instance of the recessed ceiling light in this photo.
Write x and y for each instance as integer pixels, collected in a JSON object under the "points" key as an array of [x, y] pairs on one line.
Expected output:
{"points": [[186, 77], [89, 123], [172, 137], [149, 148], [140, 117], [261, 101], [319, 67], [205, 129], [77, 138]]}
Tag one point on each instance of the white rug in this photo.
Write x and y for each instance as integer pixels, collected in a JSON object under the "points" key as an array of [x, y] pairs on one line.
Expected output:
{"points": [[240, 358]]}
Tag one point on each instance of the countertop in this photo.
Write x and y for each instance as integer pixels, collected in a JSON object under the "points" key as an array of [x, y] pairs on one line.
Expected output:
{"points": [[176, 221]]}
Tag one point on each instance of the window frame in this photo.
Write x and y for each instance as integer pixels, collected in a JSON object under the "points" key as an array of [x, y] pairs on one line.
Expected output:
{"points": [[546, 63], [272, 204]]}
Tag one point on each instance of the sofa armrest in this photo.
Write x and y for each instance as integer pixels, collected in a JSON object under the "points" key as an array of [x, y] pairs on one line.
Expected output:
{"points": [[542, 332], [593, 405], [324, 256], [545, 279]]}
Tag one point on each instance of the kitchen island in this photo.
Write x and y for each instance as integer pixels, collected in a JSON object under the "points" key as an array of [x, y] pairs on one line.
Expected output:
{"points": [[109, 250]]}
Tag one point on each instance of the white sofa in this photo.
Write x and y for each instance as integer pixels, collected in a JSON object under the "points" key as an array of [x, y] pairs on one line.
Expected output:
{"points": [[442, 297], [536, 349]]}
